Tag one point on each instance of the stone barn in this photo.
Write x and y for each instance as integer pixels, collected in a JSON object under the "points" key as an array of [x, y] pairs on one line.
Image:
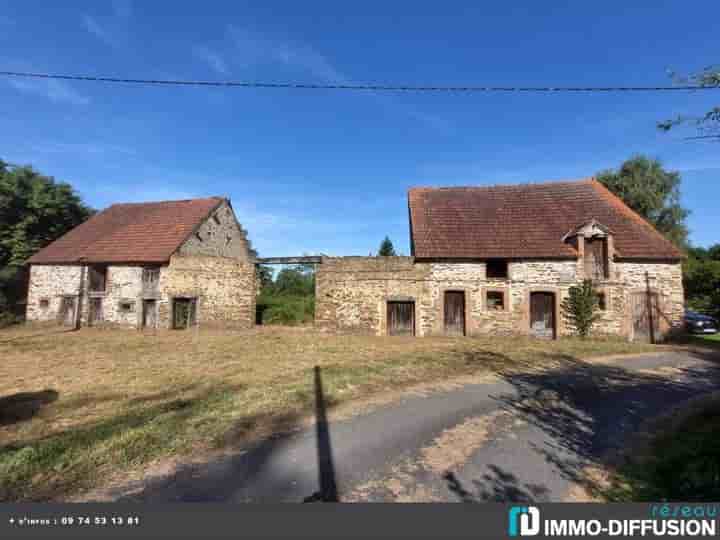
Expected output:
{"points": [[500, 260], [170, 264]]}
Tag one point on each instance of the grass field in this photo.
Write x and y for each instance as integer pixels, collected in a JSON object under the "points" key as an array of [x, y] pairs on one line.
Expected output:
{"points": [[77, 408], [681, 465]]}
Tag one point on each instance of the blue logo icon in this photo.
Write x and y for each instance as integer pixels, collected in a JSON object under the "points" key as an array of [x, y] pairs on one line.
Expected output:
{"points": [[523, 521]]}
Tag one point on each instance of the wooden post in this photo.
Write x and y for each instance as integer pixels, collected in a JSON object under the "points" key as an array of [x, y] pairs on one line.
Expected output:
{"points": [[81, 290], [651, 315]]}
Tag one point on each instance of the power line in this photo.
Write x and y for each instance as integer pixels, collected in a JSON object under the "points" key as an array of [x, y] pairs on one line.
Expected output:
{"points": [[360, 87]]}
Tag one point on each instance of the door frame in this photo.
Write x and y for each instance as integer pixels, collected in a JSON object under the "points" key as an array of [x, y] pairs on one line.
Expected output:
{"points": [[556, 309], [464, 309], [655, 319]]}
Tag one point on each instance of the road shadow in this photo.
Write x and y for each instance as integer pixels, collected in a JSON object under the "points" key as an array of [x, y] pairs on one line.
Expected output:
{"points": [[251, 472], [588, 411], [496, 485], [328, 491], [23, 406]]}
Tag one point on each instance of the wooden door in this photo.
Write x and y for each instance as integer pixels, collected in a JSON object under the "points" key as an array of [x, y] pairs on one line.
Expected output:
{"points": [[66, 315], [542, 314], [645, 316], [149, 314], [454, 313], [401, 318]]}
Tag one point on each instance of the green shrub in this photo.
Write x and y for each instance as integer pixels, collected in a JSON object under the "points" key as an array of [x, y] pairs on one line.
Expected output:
{"points": [[580, 308]]}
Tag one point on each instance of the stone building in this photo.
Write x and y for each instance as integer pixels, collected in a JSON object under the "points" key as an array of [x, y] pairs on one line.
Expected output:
{"points": [[500, 260], [167, 264]]}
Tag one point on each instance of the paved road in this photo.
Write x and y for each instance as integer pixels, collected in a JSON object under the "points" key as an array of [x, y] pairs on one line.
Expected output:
{"points": [[524, 437]]}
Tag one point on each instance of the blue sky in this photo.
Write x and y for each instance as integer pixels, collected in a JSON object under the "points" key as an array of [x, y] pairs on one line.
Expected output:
{"points": [[324, 171]]}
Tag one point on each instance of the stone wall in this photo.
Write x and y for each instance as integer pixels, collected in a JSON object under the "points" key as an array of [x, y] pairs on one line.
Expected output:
{"points": [[47, 286], [219, 236], [352, 293], [224, 289]]}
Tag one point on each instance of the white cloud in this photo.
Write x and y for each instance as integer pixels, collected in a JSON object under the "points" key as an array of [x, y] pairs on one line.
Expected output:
{"points": [[100, 31], [212, 59], [55, 90], [253, 48]]}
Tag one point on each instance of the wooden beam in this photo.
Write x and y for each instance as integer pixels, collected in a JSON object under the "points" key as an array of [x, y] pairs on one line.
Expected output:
{"points": [[314, 259]]}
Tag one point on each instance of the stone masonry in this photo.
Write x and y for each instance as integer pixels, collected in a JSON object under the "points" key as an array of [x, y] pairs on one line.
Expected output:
{"points": [[215, 266], [352, 293]]}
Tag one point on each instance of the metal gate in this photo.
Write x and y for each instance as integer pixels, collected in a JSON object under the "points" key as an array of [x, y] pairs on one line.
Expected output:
{"points": [[542, 314], [401, 318], [454, 313], [645, 316]]}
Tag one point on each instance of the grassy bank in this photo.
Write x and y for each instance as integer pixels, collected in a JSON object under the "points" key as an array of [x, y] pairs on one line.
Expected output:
{"points": [[78, 407], [682, 465]]}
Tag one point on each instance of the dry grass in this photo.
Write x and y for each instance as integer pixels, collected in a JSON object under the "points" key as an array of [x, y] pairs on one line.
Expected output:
{"points": [[78, 407]]}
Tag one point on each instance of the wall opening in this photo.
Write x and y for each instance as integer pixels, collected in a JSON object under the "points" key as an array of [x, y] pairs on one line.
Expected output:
{"points": [[97, 278], [66, 313], [401, 318], [184, 312], [542, 315], [596, 258], [95, 311], [286, 294], [454, 313], [149, 314], [496, 269], [495, 300]]}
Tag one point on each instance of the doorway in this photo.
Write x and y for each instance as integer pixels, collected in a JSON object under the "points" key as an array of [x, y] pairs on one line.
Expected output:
{"points": [[184, 312], [645, 316], [401, 318], [542, 315], [95, 311], [454, 311], [149, 314], [66, 315]]}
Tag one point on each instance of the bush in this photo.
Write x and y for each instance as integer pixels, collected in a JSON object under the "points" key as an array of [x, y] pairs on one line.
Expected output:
{"points": [[580, 308], [285, 309]]}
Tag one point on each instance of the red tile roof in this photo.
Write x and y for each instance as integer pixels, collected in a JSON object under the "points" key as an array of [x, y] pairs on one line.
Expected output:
{"points": [[138, 233], [525, 221]]}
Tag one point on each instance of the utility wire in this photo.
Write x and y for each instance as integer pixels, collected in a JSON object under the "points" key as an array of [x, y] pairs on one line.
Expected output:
{"points": [[360, 87]]}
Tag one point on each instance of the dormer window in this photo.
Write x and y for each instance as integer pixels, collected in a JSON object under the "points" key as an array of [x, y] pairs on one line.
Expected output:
{"points": [[596, 258], [592, 240]]}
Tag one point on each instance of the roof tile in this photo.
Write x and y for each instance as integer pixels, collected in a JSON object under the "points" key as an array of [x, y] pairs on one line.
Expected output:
{"points": [[525, 221], [131, 232]]}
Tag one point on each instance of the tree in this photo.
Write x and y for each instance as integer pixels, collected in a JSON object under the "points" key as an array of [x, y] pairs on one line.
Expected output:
{"points": [[708, 124], [653, 192], [701, 279], [580, 307], [386, 248], [34, 211]]}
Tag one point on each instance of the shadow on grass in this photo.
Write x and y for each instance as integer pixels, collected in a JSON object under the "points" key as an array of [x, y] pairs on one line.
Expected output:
{"points": [[586, 412], [24, 405], [52, 330], [53, 465]]}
